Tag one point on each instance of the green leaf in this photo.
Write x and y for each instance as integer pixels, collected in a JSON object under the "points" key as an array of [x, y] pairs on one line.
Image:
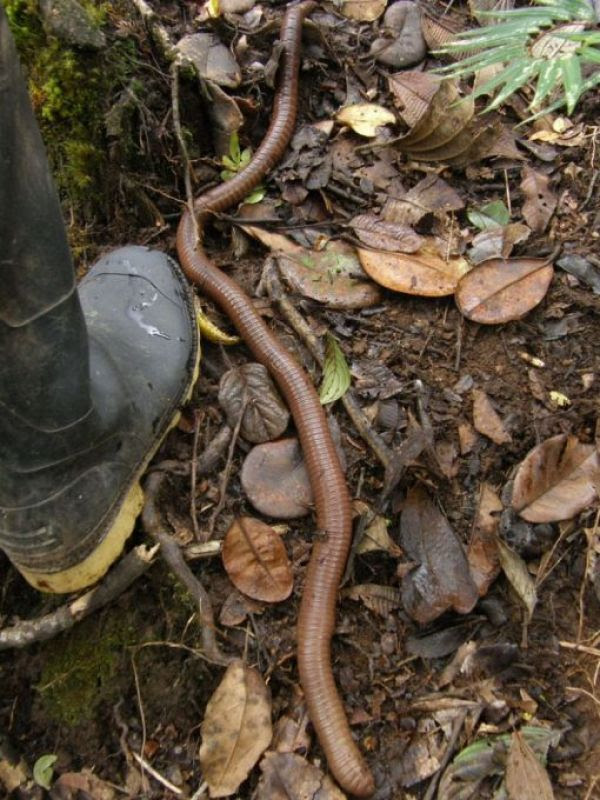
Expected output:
{"points": [[245, 157], [508, 74], [547, 79], [491, 215], [515, 78], [234, 147], [256, 196], [572, 80], [227, 175], [43, 770], [336, 374], [229, 163]]}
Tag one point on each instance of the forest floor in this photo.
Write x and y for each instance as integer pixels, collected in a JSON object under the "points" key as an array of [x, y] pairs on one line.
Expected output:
{"points": [[456, 404]]}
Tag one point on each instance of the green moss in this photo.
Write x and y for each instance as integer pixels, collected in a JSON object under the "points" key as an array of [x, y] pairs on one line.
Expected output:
{"points": [[82, 667], [72, 90]]}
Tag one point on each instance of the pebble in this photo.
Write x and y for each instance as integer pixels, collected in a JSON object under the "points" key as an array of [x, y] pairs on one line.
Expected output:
{"points": [[406, 45]]}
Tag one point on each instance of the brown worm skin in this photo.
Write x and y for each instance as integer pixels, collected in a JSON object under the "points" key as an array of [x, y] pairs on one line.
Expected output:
{"points": [[316, 620]]}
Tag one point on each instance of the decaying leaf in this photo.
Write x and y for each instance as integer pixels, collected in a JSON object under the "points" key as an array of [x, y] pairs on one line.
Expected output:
{"points": [[489, 216], [482, 553], [518, 576], [526, 778], [423, 273], [287, 776], [249, 390], [382, 235], [540, 202], [431, 195], [336, 373], [497, 242], [236, 729], [84, 784], [500, 290], [256, 561], [332, 275], [211, 332], [365, 118], [236, 609], [486, 420], [556, 480], [382, 600], [363, 10], [443, 579], [486, 758]]}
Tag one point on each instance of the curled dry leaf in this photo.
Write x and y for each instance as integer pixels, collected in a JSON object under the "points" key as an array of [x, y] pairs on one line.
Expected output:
{"points": [[423, 273], [526, 777], [431, 195], [502, 290], [256, 560], [365, 118], [540, 202], [287, 776], [518, 576], [275, 479], [363, 10], [443, 579], [332, 276], [236, 729], [482, 552], [486, 419], [376, 535], [249, 389], [556, 480], [382, 235], [382, 600]]}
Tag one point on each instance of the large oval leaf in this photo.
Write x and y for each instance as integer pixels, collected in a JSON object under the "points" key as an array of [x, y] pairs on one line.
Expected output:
{"points": [[256, 561], [249, 390], [501, 290], [424, 273], [556, 480]]}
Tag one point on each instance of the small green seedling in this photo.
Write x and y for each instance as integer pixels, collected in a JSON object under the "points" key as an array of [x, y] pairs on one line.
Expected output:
{"points": [[237, 161]]}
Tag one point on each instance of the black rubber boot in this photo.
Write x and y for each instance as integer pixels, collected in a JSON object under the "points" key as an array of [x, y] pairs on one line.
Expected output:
{"points": [[91, 379]]}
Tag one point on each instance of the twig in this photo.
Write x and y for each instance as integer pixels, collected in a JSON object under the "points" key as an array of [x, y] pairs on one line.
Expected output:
{"points": [[138, 695], [120, 578], [146, 767], [456, 729], [172, 554], [194, 474], [158, 31], [207, 460], [226, 473], [581, 648], [187, 172], [299, 325]]}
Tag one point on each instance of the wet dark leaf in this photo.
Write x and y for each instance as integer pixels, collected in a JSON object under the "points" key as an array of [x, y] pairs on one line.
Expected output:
{"points": [[249, 387], [556, 480], [256, 560], [442, 580], [499, 291]]}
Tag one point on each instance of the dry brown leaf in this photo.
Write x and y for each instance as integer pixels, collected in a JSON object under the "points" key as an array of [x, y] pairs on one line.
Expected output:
{"points": [[482, 552], [332, 276], [486, 419], [526, 777], [499, 291], [556, 480], [440, 30], [497, 242], [376, 536], [451, 124], [518, 576], [383, 235], [382, 600], [256, 560], [423, 273], [467, 438], [363, 10], [413, 93], [431, 195], [249, 390], [287, 776], [84, 784], [236, 609], [540, 202], [443, 579], [236, 729], [365, 118]]}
